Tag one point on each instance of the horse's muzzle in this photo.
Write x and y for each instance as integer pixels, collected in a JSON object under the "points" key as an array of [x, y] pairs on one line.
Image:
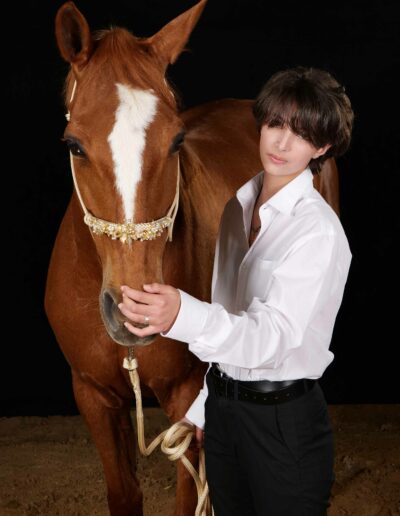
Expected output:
{"points": [[114, 322]]}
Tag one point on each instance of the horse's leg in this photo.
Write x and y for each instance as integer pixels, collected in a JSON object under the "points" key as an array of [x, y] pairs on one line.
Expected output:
{"points": [[108, 418], [186, 494]]}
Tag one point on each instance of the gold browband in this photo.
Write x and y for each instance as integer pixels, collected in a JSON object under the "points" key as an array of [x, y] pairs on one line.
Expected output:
{"points": [[127, 231]]}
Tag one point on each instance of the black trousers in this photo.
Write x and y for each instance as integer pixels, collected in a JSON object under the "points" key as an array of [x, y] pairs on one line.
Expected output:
{"points": [[268, 460]]}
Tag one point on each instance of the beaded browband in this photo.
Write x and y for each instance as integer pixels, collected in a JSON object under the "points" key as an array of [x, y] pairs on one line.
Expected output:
{"points": [[127, 231]]}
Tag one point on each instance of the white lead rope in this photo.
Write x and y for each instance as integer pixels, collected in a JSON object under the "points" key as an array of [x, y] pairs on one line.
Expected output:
{"points": [[174, 442]]}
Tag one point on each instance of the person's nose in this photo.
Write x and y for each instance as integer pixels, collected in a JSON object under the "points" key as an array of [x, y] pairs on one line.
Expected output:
{"points": [[284, 139]]}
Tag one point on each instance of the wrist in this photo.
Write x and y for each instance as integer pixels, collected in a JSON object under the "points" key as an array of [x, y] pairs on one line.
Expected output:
{"points": [[176, 314]]}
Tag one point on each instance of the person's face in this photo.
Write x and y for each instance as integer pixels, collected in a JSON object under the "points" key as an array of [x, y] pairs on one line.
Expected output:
{"points": [[284, 153]]}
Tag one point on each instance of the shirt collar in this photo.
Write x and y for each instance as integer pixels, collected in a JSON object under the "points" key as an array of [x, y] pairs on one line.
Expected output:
{"points": [[285, 199]]}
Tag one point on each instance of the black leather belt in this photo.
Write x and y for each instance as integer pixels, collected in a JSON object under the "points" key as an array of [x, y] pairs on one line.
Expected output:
{"points": [[263, 391]]}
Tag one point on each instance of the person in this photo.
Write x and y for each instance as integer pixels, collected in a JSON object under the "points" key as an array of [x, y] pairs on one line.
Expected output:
{"points": [[281, 263]]}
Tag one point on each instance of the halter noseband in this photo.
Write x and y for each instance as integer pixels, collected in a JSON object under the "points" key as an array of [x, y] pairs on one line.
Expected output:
{"points": [[128, 230]]}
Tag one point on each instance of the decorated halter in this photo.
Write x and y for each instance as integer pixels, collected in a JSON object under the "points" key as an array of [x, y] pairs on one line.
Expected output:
{"points": [[128, 230]]}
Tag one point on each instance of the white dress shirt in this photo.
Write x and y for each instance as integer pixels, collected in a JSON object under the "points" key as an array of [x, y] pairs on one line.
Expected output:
{"points": [[274, 303]]}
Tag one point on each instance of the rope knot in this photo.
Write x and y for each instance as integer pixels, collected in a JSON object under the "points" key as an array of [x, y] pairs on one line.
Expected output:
{"points": [[130, 363]]}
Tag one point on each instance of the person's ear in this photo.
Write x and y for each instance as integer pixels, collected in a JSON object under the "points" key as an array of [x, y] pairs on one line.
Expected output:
{"points": [[321, 151]]}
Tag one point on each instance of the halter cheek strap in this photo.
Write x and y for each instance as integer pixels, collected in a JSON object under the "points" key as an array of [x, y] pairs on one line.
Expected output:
{"points": [[128, 230]]}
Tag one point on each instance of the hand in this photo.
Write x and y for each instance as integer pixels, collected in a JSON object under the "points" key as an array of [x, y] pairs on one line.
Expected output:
{"points": [[159, 303], [198, 438]]}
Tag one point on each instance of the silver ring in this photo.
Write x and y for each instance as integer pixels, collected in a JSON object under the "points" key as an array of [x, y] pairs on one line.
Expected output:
{"points": [[146, 320]]}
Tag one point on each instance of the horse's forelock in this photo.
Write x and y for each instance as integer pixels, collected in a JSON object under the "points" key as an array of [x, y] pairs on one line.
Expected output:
{"points": [[128, 59]]}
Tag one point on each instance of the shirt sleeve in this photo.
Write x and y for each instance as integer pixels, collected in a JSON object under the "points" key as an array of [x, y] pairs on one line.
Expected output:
{"points": [[270, 328], [195, 414]]}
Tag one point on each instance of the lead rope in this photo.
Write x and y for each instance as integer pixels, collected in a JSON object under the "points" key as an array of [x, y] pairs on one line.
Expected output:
{"points": [[173, 442]]}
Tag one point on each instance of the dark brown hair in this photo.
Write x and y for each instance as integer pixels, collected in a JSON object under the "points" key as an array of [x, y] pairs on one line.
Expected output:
{"points": [[313, 104]]}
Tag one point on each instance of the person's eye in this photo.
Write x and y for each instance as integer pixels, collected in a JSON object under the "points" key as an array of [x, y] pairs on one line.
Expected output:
{"points": [[275, 124], [302, 137]]}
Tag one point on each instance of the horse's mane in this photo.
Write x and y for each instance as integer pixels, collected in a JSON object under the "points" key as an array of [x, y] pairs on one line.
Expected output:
{"points": [[129, 59]]}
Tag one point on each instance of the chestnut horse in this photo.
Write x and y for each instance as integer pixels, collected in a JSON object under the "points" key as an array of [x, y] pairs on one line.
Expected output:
{"points": [[127, 137]]}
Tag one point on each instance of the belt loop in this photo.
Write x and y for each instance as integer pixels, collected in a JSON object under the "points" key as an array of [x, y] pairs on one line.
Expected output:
{"points": [[235, 389]]}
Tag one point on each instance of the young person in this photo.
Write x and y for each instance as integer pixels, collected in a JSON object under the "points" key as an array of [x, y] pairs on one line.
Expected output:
{"points": [[281, 264]]}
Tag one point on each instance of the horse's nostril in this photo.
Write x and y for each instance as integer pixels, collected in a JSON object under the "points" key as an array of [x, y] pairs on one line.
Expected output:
{"points": [[109, 310], [113, 322]]}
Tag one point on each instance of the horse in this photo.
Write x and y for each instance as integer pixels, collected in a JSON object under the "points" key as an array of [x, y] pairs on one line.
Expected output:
{"points": [[135, 155]]}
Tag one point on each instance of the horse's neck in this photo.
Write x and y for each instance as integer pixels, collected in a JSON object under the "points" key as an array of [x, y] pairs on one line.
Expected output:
{"points": [[188, 259], [219, 155]]}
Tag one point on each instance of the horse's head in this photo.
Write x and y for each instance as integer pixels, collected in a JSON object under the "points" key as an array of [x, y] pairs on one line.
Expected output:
{"points": [[123, 134]]}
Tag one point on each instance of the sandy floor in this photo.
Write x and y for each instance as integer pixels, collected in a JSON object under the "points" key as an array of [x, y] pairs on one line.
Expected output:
{"points": [[49, 466]]}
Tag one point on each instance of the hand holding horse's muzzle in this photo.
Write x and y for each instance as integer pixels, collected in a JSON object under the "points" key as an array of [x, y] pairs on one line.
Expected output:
{"points": [[114, 322]]}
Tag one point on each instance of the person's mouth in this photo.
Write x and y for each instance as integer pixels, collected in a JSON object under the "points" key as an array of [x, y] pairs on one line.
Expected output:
{"points": [[277, 159]]}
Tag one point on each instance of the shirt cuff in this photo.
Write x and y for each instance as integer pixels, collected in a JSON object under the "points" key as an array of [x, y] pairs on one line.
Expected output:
{"points": [[190, 320], [195, 414]]}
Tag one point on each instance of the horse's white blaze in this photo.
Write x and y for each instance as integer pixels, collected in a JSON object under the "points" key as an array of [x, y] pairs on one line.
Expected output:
{"points": [[127, 140]]}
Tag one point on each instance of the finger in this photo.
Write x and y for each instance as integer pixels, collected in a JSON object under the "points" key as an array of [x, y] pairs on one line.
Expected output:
{"points": [[139, 296], [130, 309], [140, 332], [135, 317], [129, 304], [199, 437], [135, 295], [158, 288]]}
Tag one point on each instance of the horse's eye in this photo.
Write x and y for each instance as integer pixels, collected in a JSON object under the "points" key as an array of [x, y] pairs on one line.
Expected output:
{"points": [[75, 148], [177, 142]]}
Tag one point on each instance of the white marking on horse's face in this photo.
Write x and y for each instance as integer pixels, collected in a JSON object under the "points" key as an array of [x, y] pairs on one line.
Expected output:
{"points": [[127, 140]]}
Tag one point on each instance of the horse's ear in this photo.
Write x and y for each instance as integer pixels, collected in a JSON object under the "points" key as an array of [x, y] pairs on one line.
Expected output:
{"points": [[168, 42], [73, 36]]}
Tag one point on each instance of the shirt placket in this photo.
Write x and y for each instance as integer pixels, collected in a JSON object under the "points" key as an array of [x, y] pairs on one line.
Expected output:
{"points": [[266, 215]]}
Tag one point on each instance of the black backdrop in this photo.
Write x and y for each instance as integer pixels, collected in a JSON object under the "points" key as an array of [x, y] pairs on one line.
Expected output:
{"points": [[235, 47]]}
